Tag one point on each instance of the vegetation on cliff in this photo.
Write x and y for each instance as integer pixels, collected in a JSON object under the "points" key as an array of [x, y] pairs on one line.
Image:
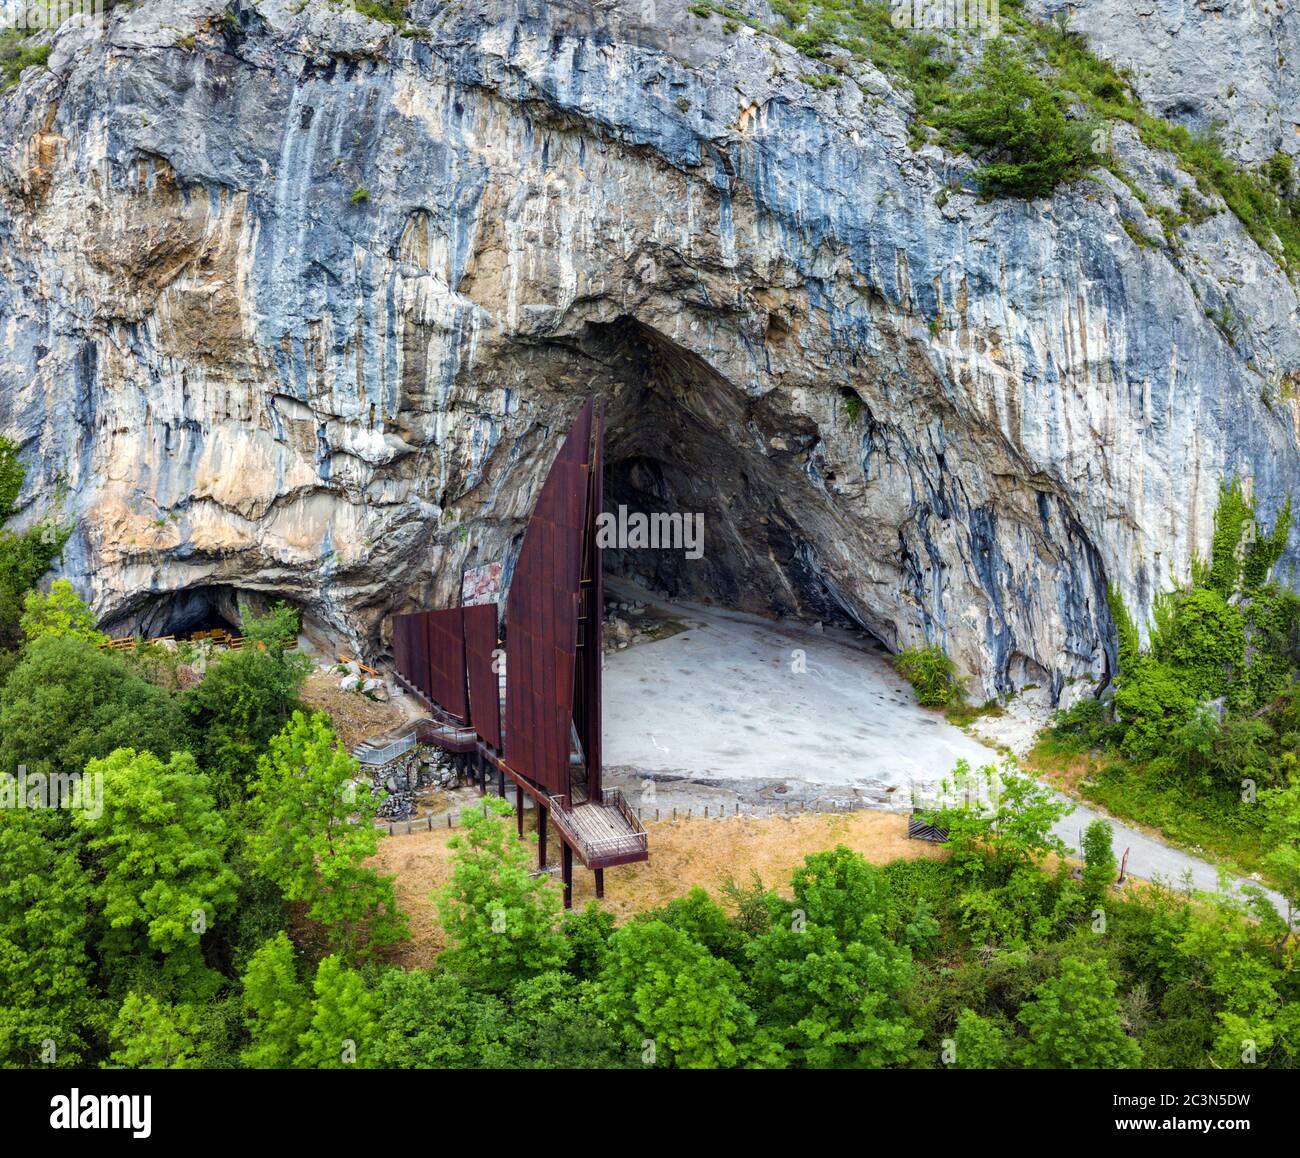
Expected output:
{"points": [[1205, 719], [1031, 106]]}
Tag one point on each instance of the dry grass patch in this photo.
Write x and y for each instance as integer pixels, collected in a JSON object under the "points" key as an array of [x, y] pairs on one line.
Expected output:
{"points": [[355, 717], [683, 853], [1059, 769]]}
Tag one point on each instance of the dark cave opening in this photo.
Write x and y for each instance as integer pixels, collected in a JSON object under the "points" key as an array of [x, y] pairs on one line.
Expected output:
{"points": [[683, 441], [184, 612]]}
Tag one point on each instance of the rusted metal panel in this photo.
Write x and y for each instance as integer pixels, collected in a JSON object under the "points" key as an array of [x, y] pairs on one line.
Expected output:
{"points": [[429, 653], [542, 618], [447, 683], [484, 683], [587, 713], [402, 651], [420, 654]]}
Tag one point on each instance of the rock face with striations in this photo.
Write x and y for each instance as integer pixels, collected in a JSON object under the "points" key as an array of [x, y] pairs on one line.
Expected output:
{"points": [[294, 305], [1230, 64]]}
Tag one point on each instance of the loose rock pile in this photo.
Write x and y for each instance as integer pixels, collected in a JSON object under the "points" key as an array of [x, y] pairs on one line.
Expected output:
{"points": [[355, 681], [406, 775], [619, 630]]}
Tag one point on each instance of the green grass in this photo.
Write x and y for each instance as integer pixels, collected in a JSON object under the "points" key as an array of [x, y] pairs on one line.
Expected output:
{"points": [[385, 11], [1213, 826], [961, 714]]}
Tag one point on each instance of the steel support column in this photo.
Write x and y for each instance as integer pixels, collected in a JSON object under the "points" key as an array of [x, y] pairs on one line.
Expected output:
{"points": [[519, 810], [568, 875], [600, 883], [541, 837]]}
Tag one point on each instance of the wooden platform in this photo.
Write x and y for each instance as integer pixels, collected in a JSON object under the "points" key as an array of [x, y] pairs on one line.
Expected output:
{"points": [[602, 832]]}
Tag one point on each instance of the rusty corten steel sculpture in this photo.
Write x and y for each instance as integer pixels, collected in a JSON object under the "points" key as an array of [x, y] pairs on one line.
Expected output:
{"points": [[549, 741], [449, 687], [429, 650], [542, 620], [591, 613], [484, 683]]}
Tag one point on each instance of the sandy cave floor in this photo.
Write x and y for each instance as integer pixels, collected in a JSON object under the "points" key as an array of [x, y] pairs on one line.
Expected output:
{"points": [[762, 710]]}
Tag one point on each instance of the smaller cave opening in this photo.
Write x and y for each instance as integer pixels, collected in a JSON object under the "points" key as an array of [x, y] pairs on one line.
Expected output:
{"points": [[191, 610]]}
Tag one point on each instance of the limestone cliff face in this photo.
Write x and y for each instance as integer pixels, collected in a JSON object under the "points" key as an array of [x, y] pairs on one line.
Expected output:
{"points": [[299, 307], [1230, 64]]}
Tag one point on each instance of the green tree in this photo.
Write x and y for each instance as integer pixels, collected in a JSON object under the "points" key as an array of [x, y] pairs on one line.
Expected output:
{"points": [[12, 474], [151, 1034], [342, 1031], [312, 832], [158, 850], [555, 1024], [66, 703], [588, 932], [702, 919], [1015, 125], [1229, 945], [435, 1021], [245, 698], [276, 630], [61, 612], [24, 556], [1282, 839], [668, 993], [1098, 861], [277, 1004], [46, 988], [830, 1004], [980, 1043], [998, 820], [839, 890], [502, 923], [1074, 1022]]}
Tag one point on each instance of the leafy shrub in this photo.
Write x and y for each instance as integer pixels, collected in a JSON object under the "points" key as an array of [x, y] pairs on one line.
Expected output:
{"points": [[1151, 702], [1084, 726], [385, 11], [1017, 127], [1098, 860], [932, 674], [17, 54], [1202, 637]]}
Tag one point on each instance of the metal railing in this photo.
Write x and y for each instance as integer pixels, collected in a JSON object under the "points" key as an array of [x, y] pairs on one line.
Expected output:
{"points": [[622, 844], [368, 754]]}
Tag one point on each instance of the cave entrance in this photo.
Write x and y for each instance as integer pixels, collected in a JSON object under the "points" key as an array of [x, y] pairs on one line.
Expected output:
{"points": [[191, 610], [724, 474], [743, 663]]}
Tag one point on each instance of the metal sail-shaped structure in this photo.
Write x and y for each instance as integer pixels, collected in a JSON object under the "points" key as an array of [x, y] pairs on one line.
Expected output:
{"points": [[548, 738]]}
